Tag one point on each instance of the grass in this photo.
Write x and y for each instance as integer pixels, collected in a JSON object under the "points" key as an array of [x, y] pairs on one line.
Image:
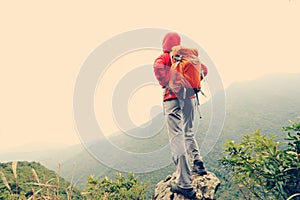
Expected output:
{"points": [[41, 189]]}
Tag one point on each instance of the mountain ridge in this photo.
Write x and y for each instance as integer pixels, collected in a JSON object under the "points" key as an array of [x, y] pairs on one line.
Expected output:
{"points": [[266, 103]]}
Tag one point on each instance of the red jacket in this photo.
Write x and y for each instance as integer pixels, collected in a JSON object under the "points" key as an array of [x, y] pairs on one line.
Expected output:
{"points": [[162, 64], [162, 67]]}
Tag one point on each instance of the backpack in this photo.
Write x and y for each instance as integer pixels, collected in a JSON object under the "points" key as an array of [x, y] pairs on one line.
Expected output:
{"points": [[185, 73]]}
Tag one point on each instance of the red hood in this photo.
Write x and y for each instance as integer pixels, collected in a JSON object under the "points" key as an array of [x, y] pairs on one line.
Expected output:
{"points": [[170, 40]]}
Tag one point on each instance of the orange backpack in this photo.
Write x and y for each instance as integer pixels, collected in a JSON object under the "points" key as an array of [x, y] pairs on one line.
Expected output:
{"points": [[185, 73]]}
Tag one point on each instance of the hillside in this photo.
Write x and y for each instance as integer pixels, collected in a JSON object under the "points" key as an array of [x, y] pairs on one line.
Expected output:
{"points": [[24, 179], [266, 103]]}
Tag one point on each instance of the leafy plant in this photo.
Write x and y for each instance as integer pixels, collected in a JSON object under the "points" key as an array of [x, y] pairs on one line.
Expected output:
{"points": [[126, 188], [264, 168]]}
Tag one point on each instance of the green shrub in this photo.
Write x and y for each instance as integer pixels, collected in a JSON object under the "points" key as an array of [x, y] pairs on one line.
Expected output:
{"points": [[126, 188], [264, 168]]}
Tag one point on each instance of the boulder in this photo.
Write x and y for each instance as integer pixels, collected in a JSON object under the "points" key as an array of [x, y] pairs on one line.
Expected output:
{"points": [[205, 186]]}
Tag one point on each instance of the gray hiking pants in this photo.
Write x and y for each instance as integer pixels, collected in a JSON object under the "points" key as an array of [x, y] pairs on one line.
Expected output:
{"points": [[180, 117]]}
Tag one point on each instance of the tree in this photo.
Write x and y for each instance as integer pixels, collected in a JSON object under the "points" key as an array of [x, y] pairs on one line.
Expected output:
{"points": [[264, 168]]}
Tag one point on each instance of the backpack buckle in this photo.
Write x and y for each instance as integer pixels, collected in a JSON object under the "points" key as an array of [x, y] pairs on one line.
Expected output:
{"points": [[177, 58]]}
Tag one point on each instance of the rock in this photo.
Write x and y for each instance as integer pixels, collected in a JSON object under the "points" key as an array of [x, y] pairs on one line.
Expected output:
{"points": [[206, 186]]}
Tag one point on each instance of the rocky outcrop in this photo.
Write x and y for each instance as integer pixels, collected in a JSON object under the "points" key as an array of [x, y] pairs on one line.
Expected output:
{"points": [[206, 186]]}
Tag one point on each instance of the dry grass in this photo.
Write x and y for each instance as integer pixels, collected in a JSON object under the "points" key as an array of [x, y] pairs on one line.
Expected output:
{"points": [[14, 169], [5, 181], [35, 175], [42, 189]]}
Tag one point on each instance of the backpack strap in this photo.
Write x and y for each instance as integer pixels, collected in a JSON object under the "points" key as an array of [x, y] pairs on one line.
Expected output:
{"points": [[197, 97], [178, 59], [198, 106], [202, 93]]}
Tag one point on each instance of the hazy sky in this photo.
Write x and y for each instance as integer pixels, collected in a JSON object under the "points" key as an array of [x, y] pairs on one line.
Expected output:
{"points": [[44, 43]]}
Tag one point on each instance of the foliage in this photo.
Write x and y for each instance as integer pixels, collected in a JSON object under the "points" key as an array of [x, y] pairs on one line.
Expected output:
{"points": [[126, 188], [263, 168], [30, 180]]}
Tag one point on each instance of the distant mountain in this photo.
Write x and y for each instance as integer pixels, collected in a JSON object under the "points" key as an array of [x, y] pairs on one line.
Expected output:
{"points": [[34, 146], [266, 103], [50, 158]]}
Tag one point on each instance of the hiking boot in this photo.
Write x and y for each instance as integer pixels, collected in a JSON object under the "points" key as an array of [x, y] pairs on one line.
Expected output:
{"points": [[199, 168], [189, 193]]}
